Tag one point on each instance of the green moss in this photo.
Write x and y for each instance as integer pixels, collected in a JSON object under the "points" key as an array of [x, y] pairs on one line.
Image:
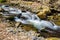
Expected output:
{"points": [[2, 1], [29, 27], [57, 22]]}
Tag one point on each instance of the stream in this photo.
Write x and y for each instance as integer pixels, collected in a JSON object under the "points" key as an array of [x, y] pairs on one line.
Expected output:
{"points": [[29, 18]]}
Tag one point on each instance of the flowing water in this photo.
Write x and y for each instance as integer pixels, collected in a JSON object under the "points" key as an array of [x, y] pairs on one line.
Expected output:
{"points": [[33, 19]]}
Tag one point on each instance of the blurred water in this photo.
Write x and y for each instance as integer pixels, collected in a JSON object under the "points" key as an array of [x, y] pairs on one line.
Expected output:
{"points": [[26, 16], [34, 20]]}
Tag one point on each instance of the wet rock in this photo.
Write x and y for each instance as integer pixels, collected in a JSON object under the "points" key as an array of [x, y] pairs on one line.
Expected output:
{"points": [[0, 9]]}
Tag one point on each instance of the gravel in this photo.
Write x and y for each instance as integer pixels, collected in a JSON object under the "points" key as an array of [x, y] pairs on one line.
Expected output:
{"points": [[12, 33]]}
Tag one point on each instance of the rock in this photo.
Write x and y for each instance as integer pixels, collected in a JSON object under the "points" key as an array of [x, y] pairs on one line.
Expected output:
{"points": [[57, 5], [0, 9], [45, 10], [59, 14], [52, 38], [43, 16]]}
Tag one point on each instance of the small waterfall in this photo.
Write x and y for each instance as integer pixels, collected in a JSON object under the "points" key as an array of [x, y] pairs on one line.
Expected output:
{"points": [[44, 24], [21, 20], [30, 18], [26, 16], [33, 19]]}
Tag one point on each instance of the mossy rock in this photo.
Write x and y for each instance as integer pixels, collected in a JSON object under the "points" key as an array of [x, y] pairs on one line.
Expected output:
{"points": [[28, 27], [57, 22], [53, 38]]}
